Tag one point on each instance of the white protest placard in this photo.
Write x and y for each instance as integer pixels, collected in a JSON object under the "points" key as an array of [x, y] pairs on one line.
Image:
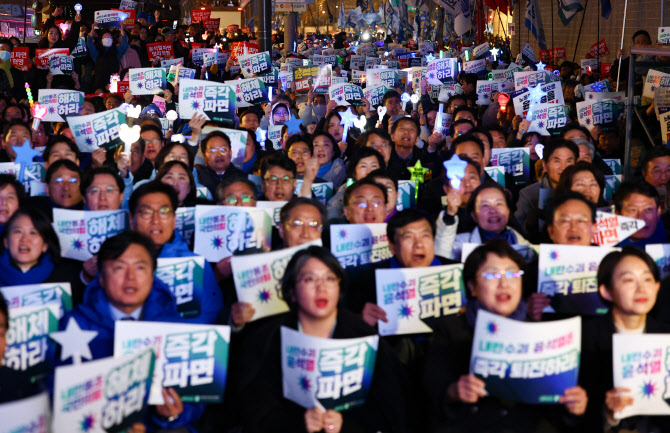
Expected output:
{"points": [[97, 130], [548, 119], [191, 359], [255, 64], [169, 62], [487, 88], [665, 127], [38, 294], [35, 173], [61, 64], [273, 208], [616, 96], [258, 279], [525, 79], [104, 393], [356, 62], [250, 92], [222, 231], [425, 48], [612, 229], [654, 79], [596, 112], [375, 95], [516, 161], [442, 71], [359, 244], [327, 373], [521, 98], [82, 232], [60, 103], [589, 63], [663, 35], [506, 74], [30, 414], [322, 191], [357, 77], [382, 77], [109, 18], [215, 100], [371, 62], [274, 135], [528, 362], [346, 94], [185, 221], [640, 365], [661, 255], [146, 81], [414, 297], [448, 90], [475, 67], [567, 274], [529, 54], [661, 100]]}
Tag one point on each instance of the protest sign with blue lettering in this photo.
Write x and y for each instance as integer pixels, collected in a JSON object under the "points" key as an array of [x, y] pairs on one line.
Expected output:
{"points": [[108, 394], [359, 244], [215, 100], [527, 362], [375, 94], [61, 64], [598, 112], [223, 231], [356, 63], [185, 277], [405, 200], [612, 182], [525, 79], [506, 74], [28, 338], [274, 135], [35, 173], [496, 173], [317, 60], [445, 91], [82, 232], [663, 35], [249, 92], [270, 79], [641, 364], [425, 48], [358, 77], [38, 294], [416, 74], [169, 62], [198, 54], [413, 298], [28, 415], [654, 79], [382, 77], [332, 60], [487, 88], [191, 359], [567, 274], [371, 62], [97, 130], [146, 81], [475, 67], [60, 103], [441, 71], [185, 221], [258, 279], [346, 94], [515, 160], [521, 98], [327, 373], [110, 19], [209, 59], [255, 64], [548, 119]]}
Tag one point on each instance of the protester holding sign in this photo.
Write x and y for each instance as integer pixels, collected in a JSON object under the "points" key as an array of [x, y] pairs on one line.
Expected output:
{"points": [[311, 286], [493, 274]]}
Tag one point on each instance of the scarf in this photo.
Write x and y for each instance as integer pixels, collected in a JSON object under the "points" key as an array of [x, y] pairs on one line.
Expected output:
{"points": [[11, 275], [324, 169], [473, 307], [7, 66], [506, 234]]}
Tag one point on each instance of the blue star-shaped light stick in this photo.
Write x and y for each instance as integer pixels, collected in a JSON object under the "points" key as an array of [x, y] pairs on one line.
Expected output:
{"points": [[348, 119], [261, 135], [24, 157], [540, 66], [494, 52], [293, 125], [535, 96], [455, 170], [430, 57]]}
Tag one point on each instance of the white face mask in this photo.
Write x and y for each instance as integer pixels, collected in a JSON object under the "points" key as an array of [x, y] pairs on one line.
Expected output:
{"points": [[320, 110], [107, 42], [5, 55]]}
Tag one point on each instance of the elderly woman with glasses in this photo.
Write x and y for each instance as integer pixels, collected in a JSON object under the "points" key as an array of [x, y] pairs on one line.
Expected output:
{"points": [[312, 287], [493, 276]]}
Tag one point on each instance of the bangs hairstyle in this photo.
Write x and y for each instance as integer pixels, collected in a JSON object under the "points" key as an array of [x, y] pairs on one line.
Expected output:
{"points": [[115, 246], [42, 225], [473, 197], [479, 255], [9, 180], [611, 261], [166, 167], [298, 261]]}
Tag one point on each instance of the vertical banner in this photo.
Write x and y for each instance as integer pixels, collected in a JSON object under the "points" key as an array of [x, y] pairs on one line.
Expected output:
{"points": [[20, 59], [191, 359], [327, 373], [527, 362], [82, 232], [359, 244]]}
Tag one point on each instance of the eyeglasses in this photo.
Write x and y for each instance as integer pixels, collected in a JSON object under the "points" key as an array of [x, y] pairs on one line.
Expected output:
{"points": [[147, 213], [96, 190], [366, 204], [498, 275], [296, 154], [311, 281], [313, 225], [232, 200], [222, 150], [274, 180], [72, 180], [153, 140]]}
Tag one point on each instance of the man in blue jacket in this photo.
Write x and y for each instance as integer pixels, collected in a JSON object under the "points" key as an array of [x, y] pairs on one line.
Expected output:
{"points": [[152, 213], [126, 289]]}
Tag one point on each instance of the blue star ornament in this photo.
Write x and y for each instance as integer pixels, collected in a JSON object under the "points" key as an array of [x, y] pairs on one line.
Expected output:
{"points": [[348, 118], [430, 57], [540, 66], [455, 170], [293, 125], [260, 135], [536, 94], [24, 157]]}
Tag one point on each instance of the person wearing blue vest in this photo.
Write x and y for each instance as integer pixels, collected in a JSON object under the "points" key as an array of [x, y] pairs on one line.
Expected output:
{"points": [[152, 213]]}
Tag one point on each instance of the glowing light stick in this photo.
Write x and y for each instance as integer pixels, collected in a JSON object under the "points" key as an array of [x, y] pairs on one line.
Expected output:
{"points": [[438, 119], [348, 119], [38, 114], [536, 94], [77, 7], [415, 100], [418, 173], [30, 95], [539, 150], [261, 136], [114, 83], [129, 136], [405, 98], [455, 170], [270, 93], [441, 54], [494, 52], [467, 55], [171, 116], [360, 123], [503, 100], [381, 112]]}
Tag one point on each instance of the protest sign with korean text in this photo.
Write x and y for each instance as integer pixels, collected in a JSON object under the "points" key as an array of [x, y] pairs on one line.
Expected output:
{"points": [[215, 100], [515, 160], [60, 103], [548, 119], [191, 359], [442, 71], [323, 191], [655, 79], [346, 94], [38, 294], [108, 394], [255, 64], [258, 279], [327, 373], [382, 77], [475, 67], [30, 414], [185, 221], [20, 58], [525, 79], [94, 131], [160, 51], [147, 81], [312, 78], [487, 88], [42, 56], [521, 98], [567, 274], [185, 278], [359, 244], [413, 298], [223, 231], [532, 363], [612, 229], [506, 74], [597, 112], [61, 64], [406, 189], [109, 18], [375, 94], [612, 182], [82, 232], [199, 15]]}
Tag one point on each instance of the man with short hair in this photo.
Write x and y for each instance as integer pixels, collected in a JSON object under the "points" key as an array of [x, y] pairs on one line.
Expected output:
{"points": [[217, 151], [102, 189], [637, 199], [236, 192], [62, 188], [571, 220], [302, 220], [152, 213], [365, 202], [656, 171], [15, 134]]}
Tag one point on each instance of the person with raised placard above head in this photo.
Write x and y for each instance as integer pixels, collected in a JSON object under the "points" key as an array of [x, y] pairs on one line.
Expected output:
{"points": [[106, 54], [313, 284], [458, 400], [152, 213], [126, 289], [557, 156], [638, 199], [629, 282], [32, 253]]}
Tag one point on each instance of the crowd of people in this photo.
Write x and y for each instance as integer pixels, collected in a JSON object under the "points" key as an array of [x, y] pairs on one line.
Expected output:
{"points": [[421, 382]]}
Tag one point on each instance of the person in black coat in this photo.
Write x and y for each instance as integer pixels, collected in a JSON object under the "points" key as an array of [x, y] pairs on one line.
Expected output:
{"points": [[629, 281], [311, 286], [217, 151]]}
